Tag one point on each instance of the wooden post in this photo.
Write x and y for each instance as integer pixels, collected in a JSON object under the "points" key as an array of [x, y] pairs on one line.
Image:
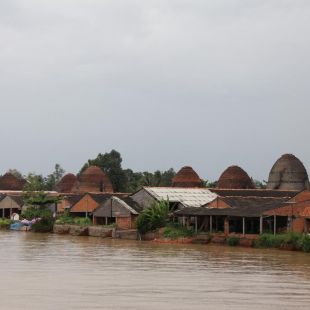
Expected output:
{"points": [[210, 223], [226, 226], [106, 220], [274, 224], [3, 213], [261, 225], [196, 225], [243, 226]]}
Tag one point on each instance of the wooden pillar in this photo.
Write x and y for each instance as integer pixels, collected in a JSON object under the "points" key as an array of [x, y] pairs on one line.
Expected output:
{"points": [[106, 220], [243, 226], [274, 224], [196, 225], [226, 226], [261, 225], [210, 223], [3, 213]]}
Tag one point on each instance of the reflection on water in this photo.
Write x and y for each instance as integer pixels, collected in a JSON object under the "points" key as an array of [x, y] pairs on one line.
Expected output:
{"points": [[63, 272]]}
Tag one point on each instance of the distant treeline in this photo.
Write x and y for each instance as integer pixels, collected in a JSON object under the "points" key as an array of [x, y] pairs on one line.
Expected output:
{"points": [[123, 180]]}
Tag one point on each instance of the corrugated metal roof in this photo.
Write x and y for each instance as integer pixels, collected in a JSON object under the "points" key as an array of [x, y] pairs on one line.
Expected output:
{"points": [[189, 197]]}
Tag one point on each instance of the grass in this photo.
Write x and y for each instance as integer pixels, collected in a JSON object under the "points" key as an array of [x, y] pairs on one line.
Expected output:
{"points": [[297, 241], [175, 231], [69, 220], [5, 223], [233, 241]]}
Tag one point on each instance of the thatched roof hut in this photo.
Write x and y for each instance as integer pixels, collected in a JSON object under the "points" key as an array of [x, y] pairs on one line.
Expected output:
{"points": [[288, 173], [11, 183], [187, 177], [235, 177], [93, 179], [66, 184]]}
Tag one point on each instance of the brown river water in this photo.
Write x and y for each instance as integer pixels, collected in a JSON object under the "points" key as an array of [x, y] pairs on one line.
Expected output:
{"points": [[45, 271]]}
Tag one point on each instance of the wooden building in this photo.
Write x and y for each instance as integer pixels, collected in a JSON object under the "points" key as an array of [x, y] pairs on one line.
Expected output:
{"points": [[122, 211], [89, 202], [240, 214], [10, 204]]}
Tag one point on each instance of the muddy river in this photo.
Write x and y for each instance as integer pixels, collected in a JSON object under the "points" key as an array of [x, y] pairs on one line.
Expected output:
{"points": [[64, 272]]}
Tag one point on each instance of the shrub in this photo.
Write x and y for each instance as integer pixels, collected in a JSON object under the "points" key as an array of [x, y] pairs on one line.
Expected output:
{"points": [[152, 218], [304, 243], [296, 240], [82, 221], [233, 241], [36, 212], [44, 225], [5, 223], [175, 231], [65, 219]]}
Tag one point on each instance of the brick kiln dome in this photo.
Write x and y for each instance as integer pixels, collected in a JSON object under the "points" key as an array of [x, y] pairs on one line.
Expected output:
{"points": [[66, 184], [288, 173], [10, 182], [187, 177], [93, 179], [235, 177]]}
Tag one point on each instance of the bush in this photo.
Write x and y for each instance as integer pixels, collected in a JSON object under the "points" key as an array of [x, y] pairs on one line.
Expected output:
{"points": [[295, 240], [44, 225], [152, 218], [36, 212], [233, 241], [304, 243], [175, 231], [5, 223], [82, 221], [65, 219]]}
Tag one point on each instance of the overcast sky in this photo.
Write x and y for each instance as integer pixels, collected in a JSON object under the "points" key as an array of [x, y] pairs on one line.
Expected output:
{"points": [[167, 83]]}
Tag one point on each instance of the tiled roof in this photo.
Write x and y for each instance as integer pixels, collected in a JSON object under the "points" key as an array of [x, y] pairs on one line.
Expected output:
{"points": [[253, 192], [239, 206], [191, 197]]}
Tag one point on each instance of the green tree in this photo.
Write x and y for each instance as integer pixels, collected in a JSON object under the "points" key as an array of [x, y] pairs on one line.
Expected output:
{"points": [[52, 179], [34, 182], [16, 173]]}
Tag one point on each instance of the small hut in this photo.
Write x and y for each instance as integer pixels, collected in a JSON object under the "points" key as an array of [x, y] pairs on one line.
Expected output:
{"points": [[235, 177], [122, 211], [187, 177]]}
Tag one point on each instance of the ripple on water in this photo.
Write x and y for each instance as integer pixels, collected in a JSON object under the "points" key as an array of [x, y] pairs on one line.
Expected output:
{"points": [[64, 272]]}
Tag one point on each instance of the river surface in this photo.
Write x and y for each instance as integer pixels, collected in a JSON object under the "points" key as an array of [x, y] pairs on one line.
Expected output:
{"points": [[43, 271]]}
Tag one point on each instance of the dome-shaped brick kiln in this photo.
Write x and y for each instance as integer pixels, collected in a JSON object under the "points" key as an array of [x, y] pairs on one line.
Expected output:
{"points": [[187, 177], [10, 182], [288, 173], [93, 179], [235, 177], [67, 183]]}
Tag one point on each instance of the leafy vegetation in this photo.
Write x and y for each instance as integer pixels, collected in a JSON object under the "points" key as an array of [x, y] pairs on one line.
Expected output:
{"points": [[152, 218], [32, 212], [295, 240], [5, 223], [175, 231], [44, 225], [126, 180], [69, 220], [233, 240]]}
